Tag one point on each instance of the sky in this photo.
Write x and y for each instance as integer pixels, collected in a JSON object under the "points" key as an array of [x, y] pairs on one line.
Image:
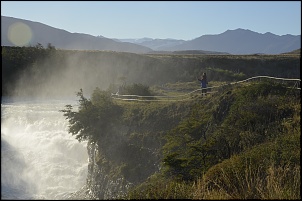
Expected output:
{"points": [[184, 20]]}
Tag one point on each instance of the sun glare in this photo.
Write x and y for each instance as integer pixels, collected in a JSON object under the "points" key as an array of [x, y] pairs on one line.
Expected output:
{"points": [[19, 34]]}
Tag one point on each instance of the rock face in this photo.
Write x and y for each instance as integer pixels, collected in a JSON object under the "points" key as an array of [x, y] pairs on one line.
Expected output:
{"points": [[100, 185]]}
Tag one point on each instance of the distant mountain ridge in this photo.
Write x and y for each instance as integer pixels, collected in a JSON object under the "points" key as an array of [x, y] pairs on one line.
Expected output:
{"points": [[241, 41], [62, 39], [155, 44], [238, 41]]}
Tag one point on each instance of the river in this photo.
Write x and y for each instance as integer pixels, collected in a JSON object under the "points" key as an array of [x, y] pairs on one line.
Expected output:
{"points": [[39, 158]]}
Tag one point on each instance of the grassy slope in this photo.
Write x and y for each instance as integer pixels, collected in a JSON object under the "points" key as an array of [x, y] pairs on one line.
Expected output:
{"points": [[264, 146]]}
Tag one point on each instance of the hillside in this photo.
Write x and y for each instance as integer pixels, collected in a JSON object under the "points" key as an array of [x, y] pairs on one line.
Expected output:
{"points": [[241, 41], [298, 51], [157, 150], [35, 32], [238, 41], [184, 52], [40, 72]]}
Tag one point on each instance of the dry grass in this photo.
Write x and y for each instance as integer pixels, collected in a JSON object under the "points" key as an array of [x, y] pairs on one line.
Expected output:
{"points": [[279, 183]]}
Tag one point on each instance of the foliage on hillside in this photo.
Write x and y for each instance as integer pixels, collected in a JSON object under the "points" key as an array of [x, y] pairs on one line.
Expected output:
{"points": [[237, 121], [246, 128], [95, 115], [234, 142], [129, 135], [40, 69], [23, 61]]}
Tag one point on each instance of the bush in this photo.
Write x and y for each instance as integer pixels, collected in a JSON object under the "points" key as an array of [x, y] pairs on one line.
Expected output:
{"points": [[252, 174], [94, 118]]}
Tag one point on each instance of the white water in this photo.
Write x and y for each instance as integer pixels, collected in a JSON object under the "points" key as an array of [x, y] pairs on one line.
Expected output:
{"points": [[39, 158]]}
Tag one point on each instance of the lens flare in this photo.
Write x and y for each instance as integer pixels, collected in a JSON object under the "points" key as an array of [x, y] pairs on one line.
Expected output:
{"points": [[19, 34]]}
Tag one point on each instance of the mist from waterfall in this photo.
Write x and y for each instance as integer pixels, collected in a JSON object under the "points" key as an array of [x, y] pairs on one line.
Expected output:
{"points": [[39, 158]]}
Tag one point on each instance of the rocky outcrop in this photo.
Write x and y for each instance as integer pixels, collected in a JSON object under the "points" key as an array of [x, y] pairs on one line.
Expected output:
{"points": [[129, 152], [100, 184]]}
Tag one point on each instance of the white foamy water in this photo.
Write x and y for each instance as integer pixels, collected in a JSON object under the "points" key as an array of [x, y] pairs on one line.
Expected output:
{"points": [[39, 158]]}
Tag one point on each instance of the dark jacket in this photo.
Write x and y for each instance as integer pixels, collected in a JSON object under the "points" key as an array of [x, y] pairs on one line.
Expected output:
{"points": [[203, 82]]}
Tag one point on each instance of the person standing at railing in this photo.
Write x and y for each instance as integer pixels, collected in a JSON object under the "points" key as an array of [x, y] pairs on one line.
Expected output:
{"points": [[203, 83]]}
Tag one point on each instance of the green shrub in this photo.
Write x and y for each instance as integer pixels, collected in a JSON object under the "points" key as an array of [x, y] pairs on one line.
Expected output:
{"points": [[94, 118], [245, 176]]}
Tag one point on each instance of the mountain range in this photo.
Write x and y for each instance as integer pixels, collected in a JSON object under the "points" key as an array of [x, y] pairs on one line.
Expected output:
{"points": [[238, 41]]}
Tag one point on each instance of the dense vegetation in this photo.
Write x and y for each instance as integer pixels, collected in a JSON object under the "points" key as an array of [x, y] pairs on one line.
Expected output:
{"points": [[18, 62], [241, 142], [230, 142], [32, 71]]}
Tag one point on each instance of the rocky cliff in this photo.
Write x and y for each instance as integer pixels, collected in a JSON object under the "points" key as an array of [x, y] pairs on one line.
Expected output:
{"points": [[100, 184], [131, 151]]}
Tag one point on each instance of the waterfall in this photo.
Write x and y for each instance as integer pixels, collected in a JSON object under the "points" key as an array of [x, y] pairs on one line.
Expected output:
{"points": [[39, 158]]}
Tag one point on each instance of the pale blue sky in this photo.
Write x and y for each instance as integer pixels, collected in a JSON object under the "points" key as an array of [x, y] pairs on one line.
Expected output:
{"points": [[160, 19]]}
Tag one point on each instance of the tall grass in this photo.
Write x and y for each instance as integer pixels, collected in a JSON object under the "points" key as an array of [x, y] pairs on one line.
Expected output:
{"points": [[282, 183], [274, 183]]}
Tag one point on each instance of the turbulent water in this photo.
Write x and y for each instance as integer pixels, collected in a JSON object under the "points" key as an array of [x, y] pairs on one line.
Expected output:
{"points": [[39, 158]]}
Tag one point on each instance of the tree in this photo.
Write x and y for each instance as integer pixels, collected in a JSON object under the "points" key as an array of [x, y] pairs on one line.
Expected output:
{"points": [[95, 117]]}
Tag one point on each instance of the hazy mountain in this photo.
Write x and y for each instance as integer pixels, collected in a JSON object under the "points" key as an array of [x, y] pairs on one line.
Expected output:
{"points": [[155, 44], [298, 51], [62, 39], [188, 52], [136, 41], [241, 41]]}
